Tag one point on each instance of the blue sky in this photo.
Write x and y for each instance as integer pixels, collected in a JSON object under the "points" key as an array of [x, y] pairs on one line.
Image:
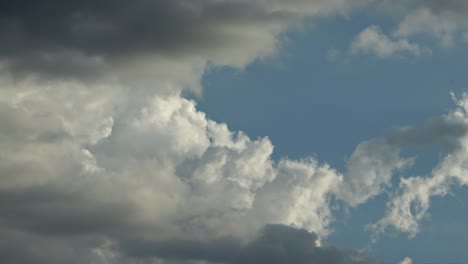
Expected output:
{"points": [[309, 105]]}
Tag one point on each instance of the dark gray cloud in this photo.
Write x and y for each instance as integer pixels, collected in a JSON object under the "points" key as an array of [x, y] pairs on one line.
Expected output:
{"points": [[85, 39], [17, 247], [456, 6], [58, 211], [437, 6], [46, 225], [440, 131], [113, 27], [77, 38], [274, 244]]}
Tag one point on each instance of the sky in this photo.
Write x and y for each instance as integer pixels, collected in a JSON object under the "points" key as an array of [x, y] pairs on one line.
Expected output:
{"points": [[233, 131]]}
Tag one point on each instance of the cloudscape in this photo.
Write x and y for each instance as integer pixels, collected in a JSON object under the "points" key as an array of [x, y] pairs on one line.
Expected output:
{"points": [[218, 131]]}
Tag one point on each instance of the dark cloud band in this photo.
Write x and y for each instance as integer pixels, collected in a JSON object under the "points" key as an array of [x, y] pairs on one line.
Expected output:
{"points": [[275, 244]]}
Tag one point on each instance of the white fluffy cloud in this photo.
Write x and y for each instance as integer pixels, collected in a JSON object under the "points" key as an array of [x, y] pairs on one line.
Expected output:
{"points": [[373, 41], [81, 165], [86, 168]]}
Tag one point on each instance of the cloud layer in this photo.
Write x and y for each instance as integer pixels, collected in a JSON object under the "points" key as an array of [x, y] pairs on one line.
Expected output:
{"points": [[273, 244], [121, 39]]}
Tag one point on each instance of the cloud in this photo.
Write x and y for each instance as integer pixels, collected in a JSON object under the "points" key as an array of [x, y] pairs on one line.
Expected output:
{"points": [[373, 41], [370, 170], [444, 20], [274, 244], [87, 168], [141, 40], [89, 40], [78, 175], [409, 206], [406, 261], [424, 21], [443, 131], [333, 55]]}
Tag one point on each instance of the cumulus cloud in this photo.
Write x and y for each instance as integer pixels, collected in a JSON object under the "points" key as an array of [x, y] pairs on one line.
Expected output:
{"points": [[79, 176], [373, 41], [85, 169]]}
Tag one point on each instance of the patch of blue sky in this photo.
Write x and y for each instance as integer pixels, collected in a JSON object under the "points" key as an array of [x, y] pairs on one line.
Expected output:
{"points": [[308, 105]]}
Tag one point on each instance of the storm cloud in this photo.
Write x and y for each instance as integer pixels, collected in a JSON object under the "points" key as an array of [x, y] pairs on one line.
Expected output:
{"points": [[274, 244], [88, 39]]}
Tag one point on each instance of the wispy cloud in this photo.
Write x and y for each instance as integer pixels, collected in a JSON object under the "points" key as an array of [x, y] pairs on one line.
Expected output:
{"points": [[372, 41]]}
